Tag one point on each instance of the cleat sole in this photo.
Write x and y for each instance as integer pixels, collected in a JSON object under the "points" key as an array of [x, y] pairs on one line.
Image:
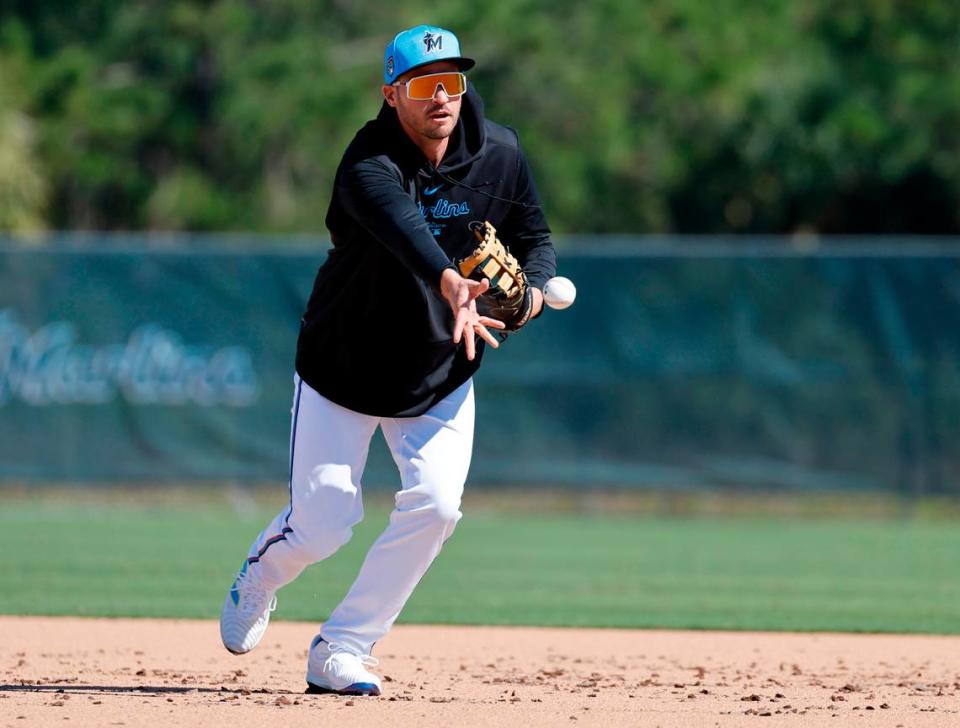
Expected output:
{"points": [[355, 689]]}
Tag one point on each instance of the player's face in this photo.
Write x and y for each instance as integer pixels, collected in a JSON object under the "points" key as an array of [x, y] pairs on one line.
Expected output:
{"points": [[433, 118]]}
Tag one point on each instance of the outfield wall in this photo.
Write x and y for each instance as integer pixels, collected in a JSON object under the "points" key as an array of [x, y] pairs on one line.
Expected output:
{"points": [[684, 363]]}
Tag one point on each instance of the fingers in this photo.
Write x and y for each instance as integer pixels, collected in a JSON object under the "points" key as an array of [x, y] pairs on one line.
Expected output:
{"points": [[492, 322], [469, 343], [474, 289], [486, 336], [457, 291], [481, 331], [466, 330], [467, 323], [468, 289], [459, 323]]}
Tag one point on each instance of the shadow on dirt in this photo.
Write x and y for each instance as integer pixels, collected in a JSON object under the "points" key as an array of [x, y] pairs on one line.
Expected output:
{"points": [[158, 690]]}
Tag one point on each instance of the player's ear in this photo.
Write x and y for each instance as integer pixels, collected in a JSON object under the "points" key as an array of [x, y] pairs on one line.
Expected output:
{"points": [[390, 95]]}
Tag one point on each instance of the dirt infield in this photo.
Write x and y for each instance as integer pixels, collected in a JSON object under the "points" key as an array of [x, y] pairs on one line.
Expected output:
{"points": [[149, 673]]}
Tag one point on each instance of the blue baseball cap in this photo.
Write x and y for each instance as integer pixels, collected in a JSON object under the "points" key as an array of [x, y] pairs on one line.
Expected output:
{"points": [[418, 47]]}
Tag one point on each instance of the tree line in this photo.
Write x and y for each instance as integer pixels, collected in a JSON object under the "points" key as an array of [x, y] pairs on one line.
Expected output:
{"points": [[690, 116]]}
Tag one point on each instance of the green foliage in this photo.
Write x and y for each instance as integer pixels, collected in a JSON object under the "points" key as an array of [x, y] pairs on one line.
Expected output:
{"points": [[666, 116], [22, 183], [723, 573]]}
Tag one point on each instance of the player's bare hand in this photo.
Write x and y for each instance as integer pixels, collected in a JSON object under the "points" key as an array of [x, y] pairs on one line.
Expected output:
{"points": [[462, 293], [482, 329]]}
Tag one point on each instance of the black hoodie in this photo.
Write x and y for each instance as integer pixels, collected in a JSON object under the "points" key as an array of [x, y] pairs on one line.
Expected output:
{"points": [[377, 336]]}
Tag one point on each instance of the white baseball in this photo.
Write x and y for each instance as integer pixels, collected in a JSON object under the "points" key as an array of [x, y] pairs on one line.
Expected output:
{"points": [[559, 292]]}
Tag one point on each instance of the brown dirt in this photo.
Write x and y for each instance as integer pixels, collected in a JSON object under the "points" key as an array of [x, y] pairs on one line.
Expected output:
{"points": [[147, 673]]}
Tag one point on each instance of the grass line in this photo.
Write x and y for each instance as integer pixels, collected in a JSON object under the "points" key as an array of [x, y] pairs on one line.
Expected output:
{"points": [[560, 569]]}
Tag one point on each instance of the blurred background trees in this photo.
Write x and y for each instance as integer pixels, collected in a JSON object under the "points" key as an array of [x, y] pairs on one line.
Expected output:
{"points": [[672, 116]]}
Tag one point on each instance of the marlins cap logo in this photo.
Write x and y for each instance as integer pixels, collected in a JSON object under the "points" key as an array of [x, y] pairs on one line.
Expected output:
{"points": [[433, 42]]}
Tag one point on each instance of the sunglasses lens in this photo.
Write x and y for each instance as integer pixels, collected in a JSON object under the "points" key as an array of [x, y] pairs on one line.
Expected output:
{"points": [[425, 87]]}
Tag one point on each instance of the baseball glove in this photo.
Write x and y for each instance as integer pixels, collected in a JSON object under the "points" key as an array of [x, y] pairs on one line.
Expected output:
{"points": [[509, 298]]}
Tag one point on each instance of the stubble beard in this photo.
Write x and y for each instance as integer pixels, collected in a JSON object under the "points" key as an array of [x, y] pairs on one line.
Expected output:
{"points": [[437, 133], [430, 131]]}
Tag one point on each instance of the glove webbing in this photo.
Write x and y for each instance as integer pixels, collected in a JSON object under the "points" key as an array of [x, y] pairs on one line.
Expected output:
{"points": [[497, 265]]}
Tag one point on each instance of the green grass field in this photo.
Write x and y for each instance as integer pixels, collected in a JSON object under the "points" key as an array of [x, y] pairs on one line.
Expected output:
{"points": [[122, 559]]}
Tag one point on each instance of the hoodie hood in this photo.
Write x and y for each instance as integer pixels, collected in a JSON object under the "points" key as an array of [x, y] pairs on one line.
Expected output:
{"points": [[467, 142]]}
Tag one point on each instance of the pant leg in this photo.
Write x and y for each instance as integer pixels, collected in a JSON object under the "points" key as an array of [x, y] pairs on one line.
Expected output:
{"points": [[432, 453], [328, 451]]}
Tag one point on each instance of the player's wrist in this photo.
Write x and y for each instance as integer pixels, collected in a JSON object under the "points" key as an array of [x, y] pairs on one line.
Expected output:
{"points": [[537, 302], [449, 280]]}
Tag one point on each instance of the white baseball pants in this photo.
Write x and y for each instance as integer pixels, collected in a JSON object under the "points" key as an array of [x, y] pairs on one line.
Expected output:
{"points": [[328, 451]]}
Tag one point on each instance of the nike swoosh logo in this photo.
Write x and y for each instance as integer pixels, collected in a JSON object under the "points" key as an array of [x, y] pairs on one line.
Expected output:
{"points": [[431, 190]]}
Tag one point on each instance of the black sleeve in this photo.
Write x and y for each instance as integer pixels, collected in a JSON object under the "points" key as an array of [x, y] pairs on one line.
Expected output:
{"points": [[525, 230], [372, 194]]}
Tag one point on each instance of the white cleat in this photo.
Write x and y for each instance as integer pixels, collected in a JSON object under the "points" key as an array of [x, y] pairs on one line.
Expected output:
{"points": [[333, 669], [246, 612]]}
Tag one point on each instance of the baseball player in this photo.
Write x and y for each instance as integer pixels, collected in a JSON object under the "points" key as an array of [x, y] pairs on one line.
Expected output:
{"points": [[415, 287]]}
